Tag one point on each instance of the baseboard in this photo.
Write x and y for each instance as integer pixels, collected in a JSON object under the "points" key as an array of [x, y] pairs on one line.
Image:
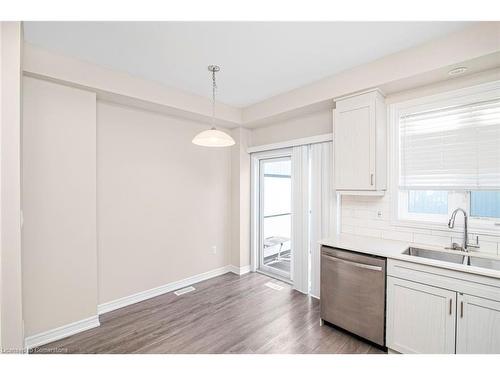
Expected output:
{"points": [[92, 322], [239, 270], [154, 292], [61, 332]]}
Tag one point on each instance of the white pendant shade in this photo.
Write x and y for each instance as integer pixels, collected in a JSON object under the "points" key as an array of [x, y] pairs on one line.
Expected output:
{"points": [[213, 138]]}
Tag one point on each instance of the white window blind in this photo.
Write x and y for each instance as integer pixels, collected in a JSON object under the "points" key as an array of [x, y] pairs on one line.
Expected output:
{"points": [[454, 147]]}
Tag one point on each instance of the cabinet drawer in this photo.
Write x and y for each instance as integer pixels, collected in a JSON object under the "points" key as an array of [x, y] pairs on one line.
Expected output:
{"points": [[462, 282]]}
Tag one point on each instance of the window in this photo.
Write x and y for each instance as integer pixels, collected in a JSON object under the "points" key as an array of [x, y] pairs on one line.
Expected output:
{"points": [[448, 149], [485, 204], [428, 202]]}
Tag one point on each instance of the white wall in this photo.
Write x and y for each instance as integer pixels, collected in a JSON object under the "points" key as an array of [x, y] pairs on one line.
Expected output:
{"points": [[308, 125], [59, 205], [162, 201], [117, 200], [10, 199]]}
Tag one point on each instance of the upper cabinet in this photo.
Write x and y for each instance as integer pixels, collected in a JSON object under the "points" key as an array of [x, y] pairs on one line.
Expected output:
{"points": [[360, 144]]}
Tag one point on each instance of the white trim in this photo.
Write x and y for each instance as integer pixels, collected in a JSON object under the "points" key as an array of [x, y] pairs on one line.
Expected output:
{"points": [[357, 93], [61, 332], [154, 292], [365, 193], [294, 142], [254, 212], [239, 270]]}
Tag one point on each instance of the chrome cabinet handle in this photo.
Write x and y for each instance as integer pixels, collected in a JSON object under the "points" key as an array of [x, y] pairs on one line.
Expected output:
{"points": [[354, 264], [371, 179], [461, 309], [450, 305]]}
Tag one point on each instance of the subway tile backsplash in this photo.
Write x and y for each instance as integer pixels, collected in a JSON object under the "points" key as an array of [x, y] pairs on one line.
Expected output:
{"points": [[371, 216]]}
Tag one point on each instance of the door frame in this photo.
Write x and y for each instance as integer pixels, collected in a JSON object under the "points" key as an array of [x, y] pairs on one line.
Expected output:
{"points": [[256, 202]]}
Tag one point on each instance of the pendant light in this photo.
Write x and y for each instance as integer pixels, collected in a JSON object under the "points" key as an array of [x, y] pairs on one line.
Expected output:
{"points": [[213, 137]]}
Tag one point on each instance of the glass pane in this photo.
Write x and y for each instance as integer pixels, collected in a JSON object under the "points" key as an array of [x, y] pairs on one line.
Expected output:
{"points": [[485, 203], [428, 202], [277, 187], [277, 218]]}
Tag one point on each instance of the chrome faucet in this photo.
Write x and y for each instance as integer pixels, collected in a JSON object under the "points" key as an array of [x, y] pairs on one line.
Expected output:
{"points": [[451, 225]]}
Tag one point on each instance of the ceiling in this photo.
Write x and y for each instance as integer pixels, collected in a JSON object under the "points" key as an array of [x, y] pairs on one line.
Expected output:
{"points": [[258, 59]]}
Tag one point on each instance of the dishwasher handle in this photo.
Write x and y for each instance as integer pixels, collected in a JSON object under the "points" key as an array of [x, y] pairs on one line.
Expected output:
{"points": [[351, 263]]}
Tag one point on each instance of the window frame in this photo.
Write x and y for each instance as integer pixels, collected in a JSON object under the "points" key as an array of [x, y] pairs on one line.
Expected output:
{"points": [[459, 198]]}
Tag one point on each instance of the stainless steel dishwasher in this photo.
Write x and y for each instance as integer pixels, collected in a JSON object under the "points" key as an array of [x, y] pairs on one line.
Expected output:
{"points": [[353, 292]]}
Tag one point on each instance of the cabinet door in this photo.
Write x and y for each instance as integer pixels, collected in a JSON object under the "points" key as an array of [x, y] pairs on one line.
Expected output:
{"points": [[478, 325], [354, 137], [420, 318]]}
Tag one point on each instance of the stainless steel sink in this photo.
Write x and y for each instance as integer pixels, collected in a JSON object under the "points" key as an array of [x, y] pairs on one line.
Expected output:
{"points": [[492, 264], [437, 255], [460, 258]]}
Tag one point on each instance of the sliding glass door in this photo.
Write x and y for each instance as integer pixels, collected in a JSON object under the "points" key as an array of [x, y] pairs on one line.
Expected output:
{"points": [[292, 208], [275, 219]]}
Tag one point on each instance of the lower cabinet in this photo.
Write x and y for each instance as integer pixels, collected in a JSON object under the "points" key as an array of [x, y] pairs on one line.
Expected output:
{"points": [[420, 318], [428, 319], [478, 325]]}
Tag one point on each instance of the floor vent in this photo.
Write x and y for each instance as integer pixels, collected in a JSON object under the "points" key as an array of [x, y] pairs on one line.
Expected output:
{"points": [[184, 291], [273, 286]]}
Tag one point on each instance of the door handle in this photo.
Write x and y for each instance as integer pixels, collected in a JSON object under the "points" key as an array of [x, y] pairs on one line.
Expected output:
{"points": [[354, 264]]}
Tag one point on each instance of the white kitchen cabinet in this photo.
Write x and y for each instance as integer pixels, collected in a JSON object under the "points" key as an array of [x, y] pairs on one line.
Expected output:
{"points": [[478, 325], [359, 134], [420, 318]]}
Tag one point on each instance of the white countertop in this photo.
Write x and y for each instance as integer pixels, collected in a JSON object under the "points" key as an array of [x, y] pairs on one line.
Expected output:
{"points": [[394, 250]]}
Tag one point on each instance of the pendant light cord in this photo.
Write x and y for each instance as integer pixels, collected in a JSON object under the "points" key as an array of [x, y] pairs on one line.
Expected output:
{"points": [[214, 88]]}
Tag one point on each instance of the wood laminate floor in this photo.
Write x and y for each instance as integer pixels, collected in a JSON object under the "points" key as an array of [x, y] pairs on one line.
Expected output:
{"points": [[226, 314]]}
